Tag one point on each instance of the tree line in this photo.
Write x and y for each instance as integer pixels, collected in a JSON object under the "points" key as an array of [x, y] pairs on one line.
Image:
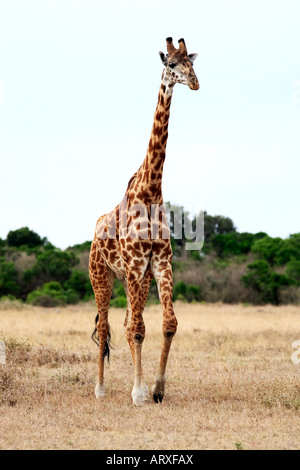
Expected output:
{"points": [[261, 268]]}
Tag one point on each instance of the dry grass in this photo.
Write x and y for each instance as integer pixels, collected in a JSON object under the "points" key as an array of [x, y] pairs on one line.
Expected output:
{"points": [[231, 382]]}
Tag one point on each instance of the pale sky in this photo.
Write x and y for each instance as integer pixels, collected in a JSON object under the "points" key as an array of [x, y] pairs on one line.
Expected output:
{"points": [[79, 82]]}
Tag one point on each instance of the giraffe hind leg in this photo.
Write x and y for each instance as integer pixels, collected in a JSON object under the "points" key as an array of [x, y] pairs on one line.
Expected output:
{"points": [[102, 280], [128, 332], [127, 324], [95, 338]]}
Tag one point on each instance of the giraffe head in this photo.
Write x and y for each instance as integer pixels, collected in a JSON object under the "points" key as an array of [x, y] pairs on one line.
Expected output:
{"points": [[179, 65]]}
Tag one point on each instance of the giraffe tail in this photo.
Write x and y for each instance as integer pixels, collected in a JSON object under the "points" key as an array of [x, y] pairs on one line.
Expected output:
{"points": [[95, 338]]}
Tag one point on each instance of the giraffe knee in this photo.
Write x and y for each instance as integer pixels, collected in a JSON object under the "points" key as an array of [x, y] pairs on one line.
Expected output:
{"points": [[170, 328], [138, 338], [138, 333], [169, 334]]}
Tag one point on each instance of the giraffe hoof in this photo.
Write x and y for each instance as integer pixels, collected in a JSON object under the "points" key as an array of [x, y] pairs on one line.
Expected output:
{"points": [[158, 391], [137, 396], [158, 397], [99, 391]]}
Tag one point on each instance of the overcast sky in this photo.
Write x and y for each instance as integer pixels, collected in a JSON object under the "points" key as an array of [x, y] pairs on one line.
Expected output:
{"points": [[79, 82]]}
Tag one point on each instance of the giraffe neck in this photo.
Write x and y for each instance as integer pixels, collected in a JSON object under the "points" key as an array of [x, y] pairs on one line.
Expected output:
{"points": [[151, 170]]}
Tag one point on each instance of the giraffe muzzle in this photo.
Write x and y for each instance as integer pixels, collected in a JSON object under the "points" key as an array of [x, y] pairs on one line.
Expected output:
{"points": [[194, 85]]}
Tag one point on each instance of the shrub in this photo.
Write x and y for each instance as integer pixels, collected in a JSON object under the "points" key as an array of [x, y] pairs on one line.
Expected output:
{"points": [[118, 298], [51, 265], [193, 293], [293, 270], [289, 250], [267, 249], [8, 278], [47, 301], [188, 292], [80, 283], [234, 244], [179, 289], [52, 290], [2, 247], [266, 282], [55, 265], [119, 302]]}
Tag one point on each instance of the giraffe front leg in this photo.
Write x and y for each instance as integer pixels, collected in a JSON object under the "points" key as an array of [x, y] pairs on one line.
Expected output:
{"points": [[145, 390], [139, 392], [158, 388], [136, 288], [135, 333], [164, 278], [143, 299]]}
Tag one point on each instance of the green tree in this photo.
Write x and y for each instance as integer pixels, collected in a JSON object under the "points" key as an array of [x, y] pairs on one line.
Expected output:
{"points": [[266, 282], [267, 249], [217, 224], [80, 283], [289, 250], [2, 247], [51, 265], [55, 265], [293, 270], [8, 279], [178, 217], [81, 247], [234, 243], [24, 236]]}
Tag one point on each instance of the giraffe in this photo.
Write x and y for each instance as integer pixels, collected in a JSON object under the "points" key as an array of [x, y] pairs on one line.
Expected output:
{"points": [[124, 246]]}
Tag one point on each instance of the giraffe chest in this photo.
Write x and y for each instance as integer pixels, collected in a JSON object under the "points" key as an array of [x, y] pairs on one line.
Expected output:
{"points": [[123, 255], [128, 245]]}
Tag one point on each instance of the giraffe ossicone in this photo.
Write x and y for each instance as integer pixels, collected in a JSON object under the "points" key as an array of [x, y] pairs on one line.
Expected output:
{"points": [[129, 246]]}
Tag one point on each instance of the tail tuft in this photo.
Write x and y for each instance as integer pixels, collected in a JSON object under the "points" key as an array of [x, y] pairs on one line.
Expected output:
{"points": [[106, 352], [95, 338]]}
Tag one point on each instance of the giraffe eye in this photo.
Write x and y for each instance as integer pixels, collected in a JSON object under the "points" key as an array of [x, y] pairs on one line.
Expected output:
{"points": [[172, 65]]}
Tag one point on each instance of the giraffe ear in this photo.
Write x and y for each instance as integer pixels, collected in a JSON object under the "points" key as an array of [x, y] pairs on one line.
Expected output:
{"points": [[163, 58], [192, 57]]}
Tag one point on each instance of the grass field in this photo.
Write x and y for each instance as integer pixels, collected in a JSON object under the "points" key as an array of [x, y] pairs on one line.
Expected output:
{"points": [[231, 382]]}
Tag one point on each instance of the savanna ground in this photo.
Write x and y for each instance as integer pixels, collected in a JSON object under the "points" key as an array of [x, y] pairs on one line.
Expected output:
{"points": [[231, 382]]}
